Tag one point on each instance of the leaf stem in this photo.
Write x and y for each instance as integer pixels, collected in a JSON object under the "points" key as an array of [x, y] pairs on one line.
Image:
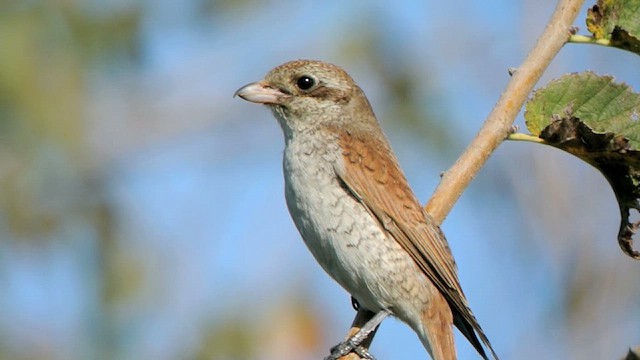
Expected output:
{"points": [[525, 137], [582, 39]]}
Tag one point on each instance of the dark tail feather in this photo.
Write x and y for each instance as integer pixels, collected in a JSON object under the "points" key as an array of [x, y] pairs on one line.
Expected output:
{"points": [[468, 331]]}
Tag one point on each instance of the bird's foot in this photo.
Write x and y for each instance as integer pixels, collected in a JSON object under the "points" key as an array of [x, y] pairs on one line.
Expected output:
{"points": [[352, 344], [363, 353], [341, 350], [347, 347]]}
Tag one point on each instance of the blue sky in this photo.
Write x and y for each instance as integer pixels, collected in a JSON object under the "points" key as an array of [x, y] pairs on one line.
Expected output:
{"points": [[199, 202]]}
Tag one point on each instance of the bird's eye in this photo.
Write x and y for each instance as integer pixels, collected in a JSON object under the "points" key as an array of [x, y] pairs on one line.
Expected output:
{"points": [[305, 82]]}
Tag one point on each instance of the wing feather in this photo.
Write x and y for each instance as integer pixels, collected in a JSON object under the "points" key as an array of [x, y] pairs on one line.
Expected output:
{"points": [[373, 175]]}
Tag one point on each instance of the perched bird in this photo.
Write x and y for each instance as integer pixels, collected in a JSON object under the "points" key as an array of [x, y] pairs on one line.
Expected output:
{"points": [[355, 211]]}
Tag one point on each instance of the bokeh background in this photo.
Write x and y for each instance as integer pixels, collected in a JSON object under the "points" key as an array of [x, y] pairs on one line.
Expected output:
{"points": [[141, 207]]}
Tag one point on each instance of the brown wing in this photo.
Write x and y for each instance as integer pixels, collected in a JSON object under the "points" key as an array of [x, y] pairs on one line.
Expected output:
{"points": [[373, 176]]}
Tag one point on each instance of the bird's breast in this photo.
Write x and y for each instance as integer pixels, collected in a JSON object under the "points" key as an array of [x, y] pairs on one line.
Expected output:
{"points": [[343, 236], [319, 206]]}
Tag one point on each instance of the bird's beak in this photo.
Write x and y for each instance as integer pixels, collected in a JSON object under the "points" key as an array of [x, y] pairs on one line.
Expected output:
{"points": [[261, 93]]}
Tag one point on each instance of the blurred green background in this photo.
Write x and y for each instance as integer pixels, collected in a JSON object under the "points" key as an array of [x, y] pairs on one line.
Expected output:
{"points": [[141, 206]]}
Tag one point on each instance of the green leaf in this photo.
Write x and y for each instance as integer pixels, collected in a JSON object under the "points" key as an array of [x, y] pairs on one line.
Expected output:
{"points": [[597, 120], [617, 21], [598, 101]]}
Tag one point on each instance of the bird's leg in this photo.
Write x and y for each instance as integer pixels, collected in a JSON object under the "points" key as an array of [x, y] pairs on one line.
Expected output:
{"points": [[353, 343]]}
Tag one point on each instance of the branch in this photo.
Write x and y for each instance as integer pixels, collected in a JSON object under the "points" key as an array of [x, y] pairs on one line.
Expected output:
{"points": [[498, 124]]}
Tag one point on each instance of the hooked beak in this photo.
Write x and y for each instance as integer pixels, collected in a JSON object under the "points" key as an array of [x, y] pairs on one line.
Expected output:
{"points": [[261, 93]]}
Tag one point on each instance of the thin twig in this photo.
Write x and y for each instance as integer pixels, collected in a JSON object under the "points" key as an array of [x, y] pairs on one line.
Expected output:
{"points": [[498, 124]]}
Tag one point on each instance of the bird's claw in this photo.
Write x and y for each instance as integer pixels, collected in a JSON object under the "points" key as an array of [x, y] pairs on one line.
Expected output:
{"points": [[347, 347], [341, 350], [363, 353]]}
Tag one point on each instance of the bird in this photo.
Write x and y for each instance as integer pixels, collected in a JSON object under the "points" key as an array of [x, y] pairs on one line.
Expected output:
{"points": [[355, 211]]}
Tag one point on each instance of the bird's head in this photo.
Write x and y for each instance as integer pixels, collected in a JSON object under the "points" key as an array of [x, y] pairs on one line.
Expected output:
{"points": [[305, 94]]}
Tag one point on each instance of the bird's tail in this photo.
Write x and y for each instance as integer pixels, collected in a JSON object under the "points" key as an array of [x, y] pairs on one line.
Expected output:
{"points": [[437, 332], [471, 333]]}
